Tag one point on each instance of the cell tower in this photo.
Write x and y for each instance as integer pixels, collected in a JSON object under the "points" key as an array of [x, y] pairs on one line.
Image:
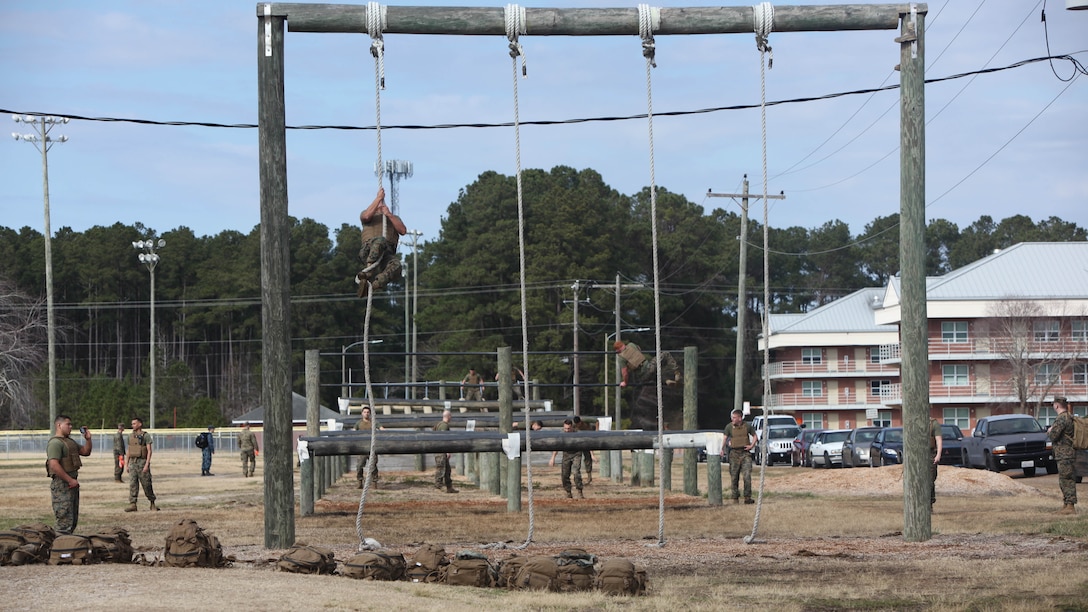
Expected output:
{"points": [[396, 169]]}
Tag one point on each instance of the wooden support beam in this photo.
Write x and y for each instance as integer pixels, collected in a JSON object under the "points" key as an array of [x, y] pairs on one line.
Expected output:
{"points": [[490, 21], [408, 443]]}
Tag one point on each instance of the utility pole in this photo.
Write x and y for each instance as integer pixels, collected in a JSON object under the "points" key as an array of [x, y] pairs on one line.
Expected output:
{"points": [[43, 142], [415, 234], [742, 298], [616, 357], [576, 379], [396, 169]]}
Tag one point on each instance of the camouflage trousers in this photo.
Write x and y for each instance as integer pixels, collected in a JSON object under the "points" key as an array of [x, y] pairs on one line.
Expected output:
{"points": [[65, 505], [378, 251], [933, 476], [249, 462], [740, 464], [137, 477], [572, 466], [1067, 479], [360, 469], [118, 467], [206, 460], [442, 471]]}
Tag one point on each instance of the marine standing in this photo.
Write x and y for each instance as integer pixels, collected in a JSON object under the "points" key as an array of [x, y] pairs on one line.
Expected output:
{"points": [[62, 462], [442, 471], [207, 452], [138, 464], [247, 445], [1061, 434], [119, 452], [936, 446], [740, 437], [365, 423], [572, 465]]}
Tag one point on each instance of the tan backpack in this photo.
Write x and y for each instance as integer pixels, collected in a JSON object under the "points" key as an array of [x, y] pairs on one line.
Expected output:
{"points": [[469, 568], [426, 564], [378, 564], [576, 570], [70, 549], [305, 559], [537, 574], [37, 541], [621, 577], [113, 545], [187, 545]]}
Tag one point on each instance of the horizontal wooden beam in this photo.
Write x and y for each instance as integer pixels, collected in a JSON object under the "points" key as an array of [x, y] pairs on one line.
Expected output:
{"points": [[410, 443], [490, 21]]}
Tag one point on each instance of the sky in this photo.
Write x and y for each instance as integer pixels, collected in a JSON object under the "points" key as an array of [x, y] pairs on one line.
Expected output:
{"points": [[1000, 144]]}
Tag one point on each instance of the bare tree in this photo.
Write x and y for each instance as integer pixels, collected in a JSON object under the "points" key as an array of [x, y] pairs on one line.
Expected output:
{"points": [[1030, 339], [22, 352]]}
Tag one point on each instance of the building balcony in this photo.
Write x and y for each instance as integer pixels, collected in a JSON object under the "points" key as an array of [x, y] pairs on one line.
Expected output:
{"points": [[800, 401], [988, 349], [785, 370], [993, 393]]}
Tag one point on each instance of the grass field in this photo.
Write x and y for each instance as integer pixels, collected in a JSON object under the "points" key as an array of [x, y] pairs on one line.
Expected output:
{"points": [[826, 540]]}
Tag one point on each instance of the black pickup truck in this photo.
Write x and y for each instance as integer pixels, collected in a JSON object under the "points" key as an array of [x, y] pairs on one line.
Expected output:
{"points": [[1010, 441]]}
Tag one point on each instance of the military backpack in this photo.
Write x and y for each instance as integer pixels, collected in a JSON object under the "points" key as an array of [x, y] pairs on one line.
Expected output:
{"points": [[187, 545], [469, 568], [305, 559], [113, 545], [576, 570], [1080, 433], [426, 564], [537, 574], [378, 564], [37, 540], [71, 549], [621, 577]]}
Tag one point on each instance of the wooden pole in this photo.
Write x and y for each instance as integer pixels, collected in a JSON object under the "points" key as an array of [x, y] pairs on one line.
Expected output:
{"points": [[490, 21], [279, 507], [714, 480], [913, 332], [306, 488], [691, 418], [406, 443]]}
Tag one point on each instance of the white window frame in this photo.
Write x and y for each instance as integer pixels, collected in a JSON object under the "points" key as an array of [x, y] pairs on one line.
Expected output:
{"points": [[874, 355], [955, 375], [808, 390], [1047, 330], [812, 356], [1047, 415], [812, 420], [960, 417], [1080, 373], [1046, 373], [883, 419], [875, 386], [954, 332], [1078, 330]]}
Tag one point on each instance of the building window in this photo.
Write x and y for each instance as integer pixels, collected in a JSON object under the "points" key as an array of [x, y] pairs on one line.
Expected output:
{"points": [[812, 356], [812, 388], [1079, 330], [875, 386], [874, 354], [813, 420], [953, 332], [960, 417], [954, 375], [1047, 415], [1047, 331], [1080, 374], [883, 419], [1046, 373]]}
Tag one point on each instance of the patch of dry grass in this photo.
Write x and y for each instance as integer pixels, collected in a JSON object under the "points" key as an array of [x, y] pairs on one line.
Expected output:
{"points": [[828, 540]]}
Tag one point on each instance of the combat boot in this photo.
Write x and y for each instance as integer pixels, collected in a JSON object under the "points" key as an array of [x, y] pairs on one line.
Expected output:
{"points": [[450, 489], [153, 507], [118, 479], [131, 507], [569, 495], [581, 495], [1067, 509]]}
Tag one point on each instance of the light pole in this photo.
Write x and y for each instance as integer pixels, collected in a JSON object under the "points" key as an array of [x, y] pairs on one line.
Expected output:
{"points": [[415, 234], [43, 142], [344, 391], [607, 349], [149, 258]]}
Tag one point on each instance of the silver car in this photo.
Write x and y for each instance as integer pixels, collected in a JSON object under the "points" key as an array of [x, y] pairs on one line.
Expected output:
{"points": [[826, 448]]}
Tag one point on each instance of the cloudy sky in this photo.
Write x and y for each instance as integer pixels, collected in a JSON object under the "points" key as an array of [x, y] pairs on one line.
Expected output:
{"points": [[1009, 142]]}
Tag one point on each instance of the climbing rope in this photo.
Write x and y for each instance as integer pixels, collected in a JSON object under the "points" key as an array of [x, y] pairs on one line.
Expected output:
{"points": [[515, 27], [763, 22], [375, 25], [649, 18]]}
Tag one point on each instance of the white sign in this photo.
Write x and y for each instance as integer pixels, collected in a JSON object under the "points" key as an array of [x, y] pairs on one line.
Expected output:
{"points": [[604, 424], [303, 450]]}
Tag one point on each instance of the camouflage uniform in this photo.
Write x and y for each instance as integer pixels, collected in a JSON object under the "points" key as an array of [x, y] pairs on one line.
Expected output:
{"points": [[442, 471], [472, 381], [65, 499], [247, 446], [363, 460], [1061, 434], [740, 460], [934, 433], [379, 254], [136, 460], [118, 455], [572, 464], [641, 370]]}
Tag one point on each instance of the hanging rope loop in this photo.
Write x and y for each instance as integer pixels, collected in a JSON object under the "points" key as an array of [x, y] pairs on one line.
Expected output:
{"points": [[763, 22], [514, 17], [649, 19], [375, 25]]}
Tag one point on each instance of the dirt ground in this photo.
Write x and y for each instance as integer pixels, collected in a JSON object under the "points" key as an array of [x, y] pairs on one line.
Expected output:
{"points": [[825, 540]]}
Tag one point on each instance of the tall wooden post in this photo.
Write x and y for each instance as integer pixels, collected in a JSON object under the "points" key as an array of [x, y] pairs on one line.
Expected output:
{"points": [[691, 418], [279, 506], [913, 331], [306, 489]]}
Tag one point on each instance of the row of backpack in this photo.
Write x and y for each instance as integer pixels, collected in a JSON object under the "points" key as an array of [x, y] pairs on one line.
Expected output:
{"points": [[39, 543], [571, 570]]}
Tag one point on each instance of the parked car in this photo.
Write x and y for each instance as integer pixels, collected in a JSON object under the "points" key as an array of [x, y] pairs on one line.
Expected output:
{"points": [[779, 444], [826, 449], [801, 442], [855, 450], [952, 449], [1010, 441], [887, 447]]}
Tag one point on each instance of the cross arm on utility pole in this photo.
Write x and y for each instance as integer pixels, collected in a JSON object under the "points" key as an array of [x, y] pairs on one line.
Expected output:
{"points": [[781, 195]]}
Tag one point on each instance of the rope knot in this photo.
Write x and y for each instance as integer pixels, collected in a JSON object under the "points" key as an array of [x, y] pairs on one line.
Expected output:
{"points": [[375, 25], [649, 19], [763, 23], [514, 16]]}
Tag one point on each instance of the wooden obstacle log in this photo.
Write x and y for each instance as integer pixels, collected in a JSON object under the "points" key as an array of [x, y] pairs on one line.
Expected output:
{"points": [[407, 442]]}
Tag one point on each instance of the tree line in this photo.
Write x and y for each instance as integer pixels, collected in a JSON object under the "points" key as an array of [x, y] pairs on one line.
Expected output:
{"points": [[207, 298]]}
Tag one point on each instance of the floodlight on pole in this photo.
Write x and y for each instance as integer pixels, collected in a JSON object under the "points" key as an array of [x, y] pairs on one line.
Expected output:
{"points": [[149, 258], [41, 139]]}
